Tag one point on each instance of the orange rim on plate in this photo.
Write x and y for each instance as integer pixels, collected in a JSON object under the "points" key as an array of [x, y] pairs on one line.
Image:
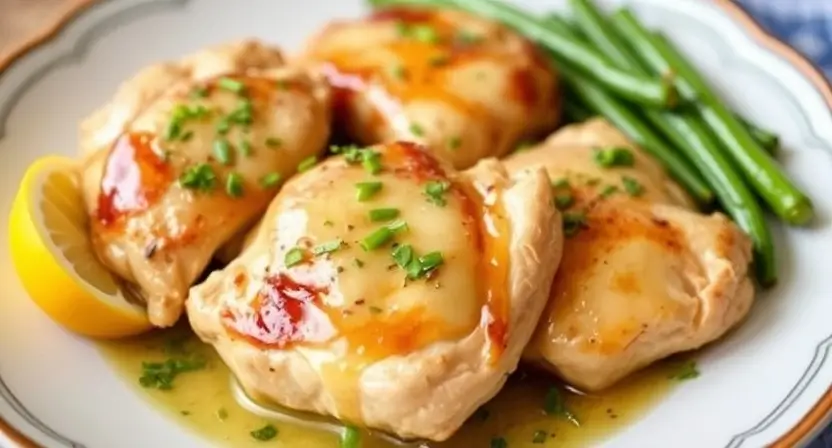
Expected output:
{"points": [[806, 427]]}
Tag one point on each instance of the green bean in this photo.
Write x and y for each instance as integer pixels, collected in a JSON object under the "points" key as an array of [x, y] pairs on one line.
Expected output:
{"points": [[575, 110], [766, 139], [648, 91], [686, 132], [760, 170], [630, 124]]}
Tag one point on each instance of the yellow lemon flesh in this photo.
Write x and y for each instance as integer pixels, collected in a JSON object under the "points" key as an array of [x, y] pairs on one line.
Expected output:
{"points": [[53, 256]]}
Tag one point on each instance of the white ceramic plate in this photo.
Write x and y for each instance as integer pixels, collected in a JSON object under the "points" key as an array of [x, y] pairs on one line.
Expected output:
{"points": [[767, 383]]}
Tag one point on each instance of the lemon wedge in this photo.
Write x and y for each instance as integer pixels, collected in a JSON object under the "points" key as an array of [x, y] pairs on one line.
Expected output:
{"points": [[53, 256]]}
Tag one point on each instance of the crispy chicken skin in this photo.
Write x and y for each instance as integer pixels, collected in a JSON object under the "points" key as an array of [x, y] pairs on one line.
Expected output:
{"points": [[467, 87], [310, 318], [187, 154], [644, 277]]}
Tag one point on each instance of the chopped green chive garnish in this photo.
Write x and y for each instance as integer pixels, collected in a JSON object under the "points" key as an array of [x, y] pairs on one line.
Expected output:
{"points": [[687, 371], [424, 33], [632, 186], [377, 239], [608, 191], [560, 183], [199, 92], [265, 433], [222, 151], [554, 404], [383, 214], [431, 261], [223, 125], [351, 437], [499, 442], [397, 226], [403, 254], [293, 257], [539, 436], [232, 85], [454, 143], [245, 148], [270, 180], [564, 200], [435, 191], [414, 269], [417, 130], [307, 163], [234, 185], [243, 114], [327, 247], [273, 142], [187, 136], [371, 161], [366, 190], [174, 130], [573, 222], [199, 177], [401, 28], [611, 157]]}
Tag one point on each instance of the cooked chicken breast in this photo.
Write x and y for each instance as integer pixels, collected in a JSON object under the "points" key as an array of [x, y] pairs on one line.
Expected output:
{"points": [[400, 300], [188, 154], [467, 87], [642, 276]]}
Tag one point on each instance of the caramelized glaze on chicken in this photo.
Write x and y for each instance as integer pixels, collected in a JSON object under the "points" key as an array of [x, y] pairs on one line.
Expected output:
{"points": [[467, 87], [642, 276], [396, 294], [189, 153]]}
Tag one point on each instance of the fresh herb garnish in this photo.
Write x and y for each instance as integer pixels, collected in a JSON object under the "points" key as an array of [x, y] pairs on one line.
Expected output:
{"points": [[686, 371], [160, 375], [199, 177], [424, 33], [573, 222], [417, 129], [383, 214], [608, 191], [366, 190], [467, 37], [612, 157], [435, 191], [371, 161], [327, 247], [351, 437], [293, 257], [244, 147], [403, 254], [232, 85], [222, 151], [270, 180], [560, 183], [397, 226], [234, 185], [632, 186], [377, 239], [564, 200], [199, 92], [307, 163], [274, 142], [265, 433], [499, 442], [554, 405]]}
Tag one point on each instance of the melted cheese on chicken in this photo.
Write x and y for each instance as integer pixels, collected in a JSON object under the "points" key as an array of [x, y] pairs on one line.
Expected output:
{"points": [[397, 299], [190, 153], [467, 87], [642, 276]]}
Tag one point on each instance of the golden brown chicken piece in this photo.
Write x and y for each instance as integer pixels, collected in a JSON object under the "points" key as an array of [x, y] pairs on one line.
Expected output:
{"points": [[189, 153], [642, 276], [398, 300], [467, 87]]}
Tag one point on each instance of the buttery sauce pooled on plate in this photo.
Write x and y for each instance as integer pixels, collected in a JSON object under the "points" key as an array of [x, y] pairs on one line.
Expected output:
{"points": [[200, 397]]}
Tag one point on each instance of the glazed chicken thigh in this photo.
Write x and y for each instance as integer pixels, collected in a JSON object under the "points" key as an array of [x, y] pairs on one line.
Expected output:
{"points": [[189, 153], [395, 294], [642, 275], [467, 87]]}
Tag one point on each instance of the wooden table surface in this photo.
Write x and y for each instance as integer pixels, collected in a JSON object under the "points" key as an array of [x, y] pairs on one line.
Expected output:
{"points": [[25, 22]]}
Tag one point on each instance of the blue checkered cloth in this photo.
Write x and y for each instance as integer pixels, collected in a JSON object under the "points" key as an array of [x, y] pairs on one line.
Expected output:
{"points": [[807, 26]]}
